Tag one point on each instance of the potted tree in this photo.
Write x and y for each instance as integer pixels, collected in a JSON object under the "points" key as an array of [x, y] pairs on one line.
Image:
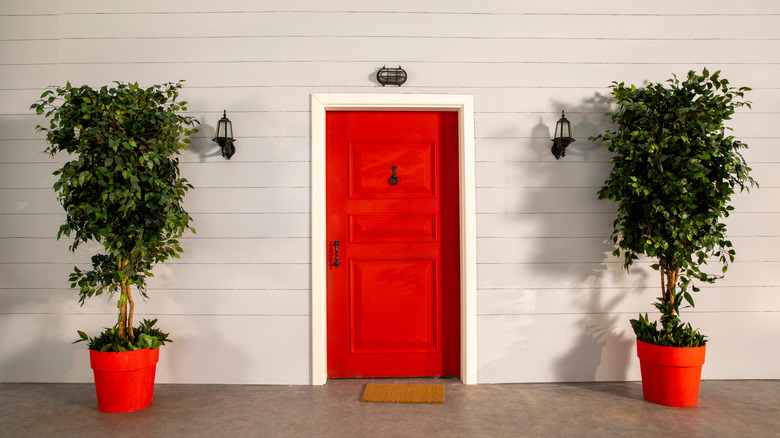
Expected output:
{"points": [[120, 187], [674, 172]]}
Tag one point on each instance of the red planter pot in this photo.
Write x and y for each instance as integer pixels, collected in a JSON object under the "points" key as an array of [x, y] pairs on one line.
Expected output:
{"points": [[124, 381], [670, 375]]}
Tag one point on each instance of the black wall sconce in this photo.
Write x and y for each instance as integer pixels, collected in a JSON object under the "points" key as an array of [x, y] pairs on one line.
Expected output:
{"points": [[562, 137], [224, 136], [391, 76]]}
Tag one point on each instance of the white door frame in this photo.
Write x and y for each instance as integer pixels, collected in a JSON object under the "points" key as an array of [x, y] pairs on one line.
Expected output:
{"points": [[464, 105]]}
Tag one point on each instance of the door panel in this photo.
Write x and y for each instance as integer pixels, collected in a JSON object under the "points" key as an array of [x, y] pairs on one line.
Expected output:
{"points": [[388, 228], [372, 163], [407, 292], [392, 204]]}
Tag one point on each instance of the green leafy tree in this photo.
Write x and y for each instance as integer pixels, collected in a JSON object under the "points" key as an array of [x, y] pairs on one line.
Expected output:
{"points": [[674, 172], [121, 185]]}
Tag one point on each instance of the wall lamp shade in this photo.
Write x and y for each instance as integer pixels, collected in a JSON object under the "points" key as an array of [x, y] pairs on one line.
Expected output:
{"points": [[224, 136], [562, 137], [391, 76]]}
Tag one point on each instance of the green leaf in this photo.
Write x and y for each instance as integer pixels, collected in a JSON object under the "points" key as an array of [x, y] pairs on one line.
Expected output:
{"points": [[689, 299]]}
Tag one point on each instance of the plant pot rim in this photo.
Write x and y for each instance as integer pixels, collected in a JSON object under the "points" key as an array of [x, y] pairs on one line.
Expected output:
{"points": [[666, 346], [670, 356], [119, 352], [110, 361]]}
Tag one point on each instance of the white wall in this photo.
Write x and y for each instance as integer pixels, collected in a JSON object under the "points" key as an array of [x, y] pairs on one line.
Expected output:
{"points": [[553, 305]]}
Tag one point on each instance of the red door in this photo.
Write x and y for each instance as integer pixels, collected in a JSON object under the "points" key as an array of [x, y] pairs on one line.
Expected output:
{"points": [[392, 206]]}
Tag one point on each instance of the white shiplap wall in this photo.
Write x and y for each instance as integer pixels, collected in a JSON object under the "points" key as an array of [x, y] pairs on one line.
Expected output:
{"points": [[552, 304]]}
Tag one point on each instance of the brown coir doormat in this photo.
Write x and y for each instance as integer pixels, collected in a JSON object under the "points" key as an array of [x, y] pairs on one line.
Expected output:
{"points": [[403, 393]]}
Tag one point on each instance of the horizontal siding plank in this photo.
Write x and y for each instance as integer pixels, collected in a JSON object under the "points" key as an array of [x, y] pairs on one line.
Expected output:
{"points": [[261, 84], [272, 276], [23, 151], [44, 250], [536, 150], [568, 225], [26, 276], [24, 27], [215, 225], [202, 150], [663, 7], [272, 149], [742, 224], [30, 78], [541, 174], [246, 250], [40, 52], [504, 250], [606, 275], [584, 125], [196, 250], [541, 225], [30, 225], [247, 200], [489, 225], [210, 276], [584, 200], [19, 99], [249, 225], [229, 302], [379, 24], [162, 302], [544, 250], [236, 174], [540, 200], [712, 298], [404, 50], [39, 8], [228, 174], [32, 176], [762, 200], [21, 127], [487, 125], [29, 201]]}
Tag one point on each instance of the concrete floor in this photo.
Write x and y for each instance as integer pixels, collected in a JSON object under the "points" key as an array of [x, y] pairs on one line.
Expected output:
{"points": [[725, 409]]}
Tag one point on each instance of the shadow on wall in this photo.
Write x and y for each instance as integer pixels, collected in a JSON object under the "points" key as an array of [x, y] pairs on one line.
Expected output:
{"points": [[202, 145], [204, 352], [600, 342], [38, 347], [567, 292]]}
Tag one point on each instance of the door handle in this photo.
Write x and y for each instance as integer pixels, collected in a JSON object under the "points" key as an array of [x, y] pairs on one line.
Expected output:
{"points": [[336, 262], [393, 179]]}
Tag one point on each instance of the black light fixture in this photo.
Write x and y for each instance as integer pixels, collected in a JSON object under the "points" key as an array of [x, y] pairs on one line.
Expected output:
{"points": [[391, 76], [562, 137], [224, 136]]}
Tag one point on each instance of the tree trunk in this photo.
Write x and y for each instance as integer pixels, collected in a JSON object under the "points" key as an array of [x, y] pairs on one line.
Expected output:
{"points": [[124, 298], [130, 313], [674, 277], [122, 324], [669, 281]]}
